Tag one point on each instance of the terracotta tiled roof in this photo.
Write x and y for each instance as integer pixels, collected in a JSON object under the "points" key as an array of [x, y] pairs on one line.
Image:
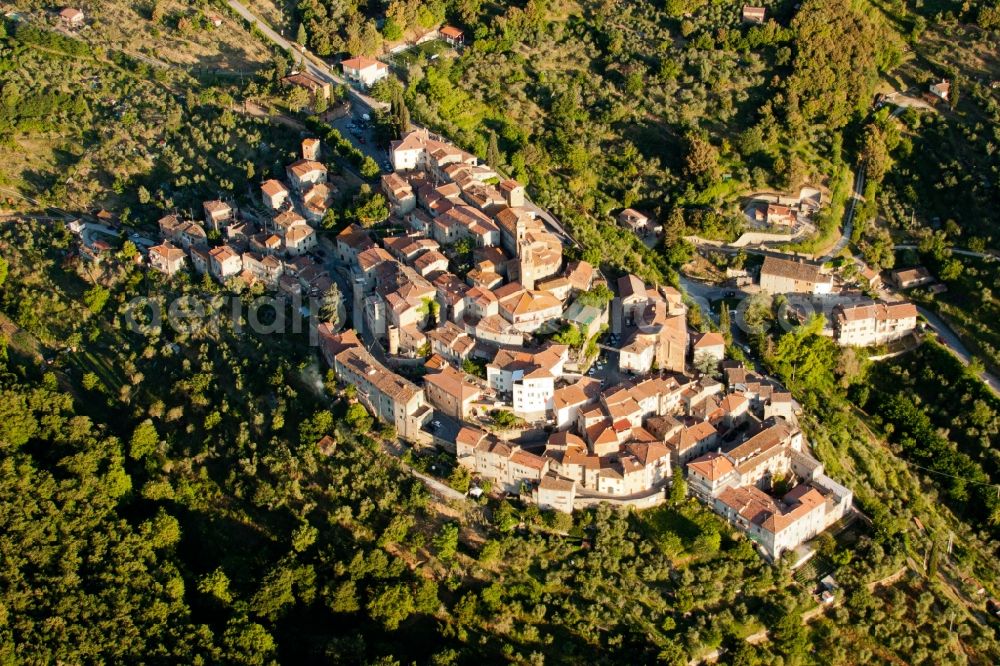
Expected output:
{"points": [[454, 383], [566, 440], [363, 62], [303, 167], [527, 459], [555, 483], [771, 436], [273, 187], [630, 285], [793, 270], [469, 436], [712, 466], [879, 311], [711, 339]]}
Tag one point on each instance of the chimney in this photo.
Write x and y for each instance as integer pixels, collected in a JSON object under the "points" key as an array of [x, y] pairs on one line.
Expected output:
{"points": [[393, 334]]}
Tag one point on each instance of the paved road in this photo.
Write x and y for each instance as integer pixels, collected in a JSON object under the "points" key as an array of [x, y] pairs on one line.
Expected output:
{"points": [[396, 449], [313, 64], [954, 343], [904, 98], [550, 219], [989, 256], [369, 147], [438, 487], [703, 294], [317, 68], [845, 235]]}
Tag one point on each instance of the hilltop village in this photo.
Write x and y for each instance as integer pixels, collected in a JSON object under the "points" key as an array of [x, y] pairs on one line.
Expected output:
{"points": [[401, 333], [471, 332]]}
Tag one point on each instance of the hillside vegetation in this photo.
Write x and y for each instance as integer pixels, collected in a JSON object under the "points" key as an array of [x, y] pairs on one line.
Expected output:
{"points": [[600, 105]]}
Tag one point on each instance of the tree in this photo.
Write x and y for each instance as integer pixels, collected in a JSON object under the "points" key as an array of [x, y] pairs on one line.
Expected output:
{"points": [[839, 51], [989, 16], [504, 419], [875, 153], [90, 381], [402, 113], [304, 536], [332, 308], [706, 364], [758, 315], [427, 600], [391, 606], [468, 10], [144, 440], [370, 168], [143, 194], [570, 335], [248, 643], [3, 270], [17, 423], [446, 541], [493, 151], [701, 161], [460, 479], [751, 141], [429, 308], [673, 230], [297, 98], [95, 298], [129, 251], [725, 324], [358, 418], [391, 30], [745, 655], [634, 81], [370, 39], [300, 35], [952, 270], [678, 487], [280, 67], [598, 296], [933, 559], [216, 584], [373, 210], [345, 598], [320, 103]]}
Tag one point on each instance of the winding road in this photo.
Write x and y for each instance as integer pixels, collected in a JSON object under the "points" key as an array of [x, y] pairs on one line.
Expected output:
{"points": [[313, 64], [954, 343], [988, 256], [848, 228]]}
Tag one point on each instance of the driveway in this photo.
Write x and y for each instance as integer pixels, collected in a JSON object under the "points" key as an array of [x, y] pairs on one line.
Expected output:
{"points": [[443, 490], [437, 487]]}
